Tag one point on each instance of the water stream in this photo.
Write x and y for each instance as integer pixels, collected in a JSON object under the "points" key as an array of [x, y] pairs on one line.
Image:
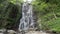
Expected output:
{"points": [[26, 21]]}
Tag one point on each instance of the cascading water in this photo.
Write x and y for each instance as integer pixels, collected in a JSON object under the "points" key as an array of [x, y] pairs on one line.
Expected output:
{"points": [[26, 21]]}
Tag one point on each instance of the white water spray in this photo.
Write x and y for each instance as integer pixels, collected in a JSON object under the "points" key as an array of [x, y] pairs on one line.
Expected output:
{"points": [[27, 16]]}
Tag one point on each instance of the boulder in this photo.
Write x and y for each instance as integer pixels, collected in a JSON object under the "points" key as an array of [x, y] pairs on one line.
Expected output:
{"points": [[11, 32]]}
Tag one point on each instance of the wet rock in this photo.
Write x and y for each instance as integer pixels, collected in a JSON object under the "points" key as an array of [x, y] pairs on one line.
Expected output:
{"points": [[2, 30], [11, 32], [37, 32], [1, 33]]}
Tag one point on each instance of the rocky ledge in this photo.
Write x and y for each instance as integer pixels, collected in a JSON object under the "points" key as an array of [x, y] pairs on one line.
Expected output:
{"points": [[3, 31]]}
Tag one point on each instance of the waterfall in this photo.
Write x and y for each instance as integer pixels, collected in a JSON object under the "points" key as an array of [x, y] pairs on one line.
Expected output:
{"points": [[26, 21]]}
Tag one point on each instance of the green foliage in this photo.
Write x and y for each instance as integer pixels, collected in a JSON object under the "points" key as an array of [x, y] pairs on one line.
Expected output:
{"points": [[10, 13], [48, 14], [53, 24]]}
